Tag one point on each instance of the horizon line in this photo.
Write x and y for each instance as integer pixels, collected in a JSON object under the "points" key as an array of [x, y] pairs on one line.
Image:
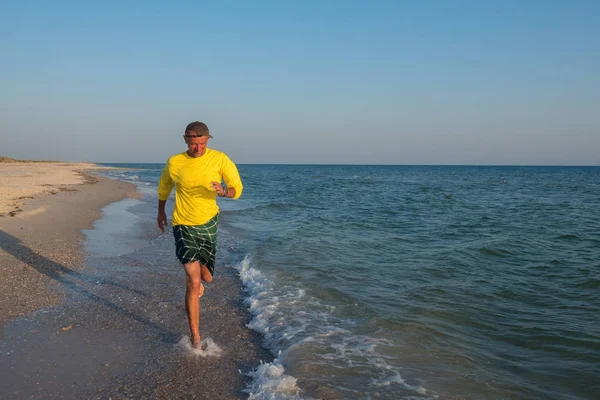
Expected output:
{"points": [[383, 165]]}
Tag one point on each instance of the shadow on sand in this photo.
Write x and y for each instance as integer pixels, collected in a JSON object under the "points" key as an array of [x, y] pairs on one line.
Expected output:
{"points": [[75, 282]]}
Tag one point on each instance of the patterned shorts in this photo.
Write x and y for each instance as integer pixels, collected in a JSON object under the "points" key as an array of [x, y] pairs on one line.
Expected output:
{"points": [[197, 243]]}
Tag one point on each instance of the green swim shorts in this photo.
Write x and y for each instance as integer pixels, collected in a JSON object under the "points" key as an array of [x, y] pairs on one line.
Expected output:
{"points": [[197, 243]]}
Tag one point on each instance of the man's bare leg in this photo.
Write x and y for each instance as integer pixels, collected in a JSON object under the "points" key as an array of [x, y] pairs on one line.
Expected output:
{"points": [[195, 273], [206, 277], [192, 303]]}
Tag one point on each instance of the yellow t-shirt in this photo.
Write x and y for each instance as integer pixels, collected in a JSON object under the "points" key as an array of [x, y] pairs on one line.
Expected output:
{"points": [[195, 200]]}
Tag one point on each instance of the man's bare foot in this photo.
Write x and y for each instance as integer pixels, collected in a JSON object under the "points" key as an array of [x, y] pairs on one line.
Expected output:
{"points": [[201, 292], [196, 342]]}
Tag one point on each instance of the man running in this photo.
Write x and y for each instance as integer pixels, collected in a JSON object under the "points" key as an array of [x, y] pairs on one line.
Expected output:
{"points": [[197, 175]]}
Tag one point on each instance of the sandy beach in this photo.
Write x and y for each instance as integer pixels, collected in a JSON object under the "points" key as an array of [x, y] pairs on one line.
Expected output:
{"points": [[75, 326], [43, 208]]}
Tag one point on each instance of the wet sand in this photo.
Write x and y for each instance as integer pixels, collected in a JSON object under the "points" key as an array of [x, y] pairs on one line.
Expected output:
{"points": [[106, 329]]}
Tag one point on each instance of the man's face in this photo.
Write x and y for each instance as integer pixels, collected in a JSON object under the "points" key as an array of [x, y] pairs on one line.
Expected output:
{"points": [[196, 144]]}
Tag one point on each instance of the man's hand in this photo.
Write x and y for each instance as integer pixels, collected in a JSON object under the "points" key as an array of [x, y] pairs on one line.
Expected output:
{"points": [[217, 187], [162, 220]]}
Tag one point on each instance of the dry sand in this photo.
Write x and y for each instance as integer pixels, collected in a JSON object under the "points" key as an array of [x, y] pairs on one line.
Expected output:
{"points": [[20, 181]]}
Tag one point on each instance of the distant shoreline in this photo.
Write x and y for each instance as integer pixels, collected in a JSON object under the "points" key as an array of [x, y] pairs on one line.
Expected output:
{"points": [[13, 160], [24, 180]]}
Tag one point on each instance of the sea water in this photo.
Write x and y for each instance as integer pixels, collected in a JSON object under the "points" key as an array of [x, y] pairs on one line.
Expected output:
{"points": [[414, 282]]}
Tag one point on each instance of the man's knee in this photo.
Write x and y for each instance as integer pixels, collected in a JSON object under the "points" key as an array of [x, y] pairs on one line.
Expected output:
{"points": [[206, 275]]}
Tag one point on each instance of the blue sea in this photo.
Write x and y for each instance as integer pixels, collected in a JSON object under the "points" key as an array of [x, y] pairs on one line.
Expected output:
{"points": [[413, 282]]}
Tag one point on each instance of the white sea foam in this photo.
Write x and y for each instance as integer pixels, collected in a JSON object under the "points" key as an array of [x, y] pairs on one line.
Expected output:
{"points": [[128, 177], [301, 329], [208, 348], [270, 382]]}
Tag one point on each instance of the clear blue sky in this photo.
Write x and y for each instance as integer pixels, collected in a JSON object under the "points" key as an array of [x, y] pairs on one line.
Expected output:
{"points": [[373, 82]]}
